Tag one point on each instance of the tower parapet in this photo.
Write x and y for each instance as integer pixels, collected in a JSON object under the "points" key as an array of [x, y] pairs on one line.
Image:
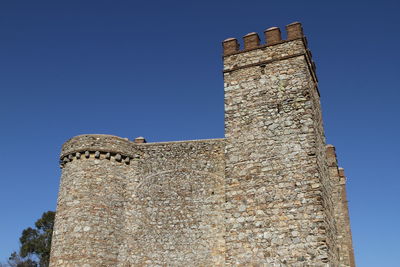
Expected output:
{"points": [[272, 37], [97, 146], [255, 53]]}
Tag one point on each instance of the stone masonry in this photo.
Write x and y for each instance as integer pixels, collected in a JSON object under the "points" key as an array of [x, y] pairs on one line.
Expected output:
{"points": [[268, 194]]}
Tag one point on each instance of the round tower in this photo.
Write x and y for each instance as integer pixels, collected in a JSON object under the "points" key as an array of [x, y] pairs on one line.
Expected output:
{"points": [[88, 228]]}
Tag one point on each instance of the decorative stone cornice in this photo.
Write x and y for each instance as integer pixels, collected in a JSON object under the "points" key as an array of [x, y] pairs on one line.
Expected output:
{"points": [[107, 155], [109, 147], [98, 146]]}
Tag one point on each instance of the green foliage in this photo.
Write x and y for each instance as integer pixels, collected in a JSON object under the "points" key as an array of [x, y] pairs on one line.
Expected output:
{"points": [[35, 243], [15, 260]]}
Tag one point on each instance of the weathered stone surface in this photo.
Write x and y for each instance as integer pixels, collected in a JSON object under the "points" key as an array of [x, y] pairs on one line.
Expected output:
{"points": [[342, 219], [268, 194], [165, 208], [275, 161]]}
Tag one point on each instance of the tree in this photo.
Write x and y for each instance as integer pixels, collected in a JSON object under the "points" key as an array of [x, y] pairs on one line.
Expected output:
{"points": [[35, 244], [15, 260]]}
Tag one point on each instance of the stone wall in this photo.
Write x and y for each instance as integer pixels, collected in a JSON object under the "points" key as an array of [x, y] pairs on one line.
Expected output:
{"points": [[174, 206], [88, 229], [278, 190], [127, 204], [339, 197], [268, 194], [346, 242]]}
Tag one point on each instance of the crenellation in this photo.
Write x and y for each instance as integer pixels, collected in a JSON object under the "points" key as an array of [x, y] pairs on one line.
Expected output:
{"points": [[264, 55], [270, 193], [294, 30], [230, 46], [273, 36], [251, 41]]}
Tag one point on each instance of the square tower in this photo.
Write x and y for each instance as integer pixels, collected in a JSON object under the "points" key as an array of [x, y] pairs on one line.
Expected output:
{"points": [[280, 207]]}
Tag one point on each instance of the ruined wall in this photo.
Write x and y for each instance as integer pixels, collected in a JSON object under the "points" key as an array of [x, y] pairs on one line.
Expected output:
{"points": [[277, 184], [127, 204]]}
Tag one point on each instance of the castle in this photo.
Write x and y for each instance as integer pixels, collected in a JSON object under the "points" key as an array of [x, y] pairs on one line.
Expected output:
{"points": [[268, 194]]}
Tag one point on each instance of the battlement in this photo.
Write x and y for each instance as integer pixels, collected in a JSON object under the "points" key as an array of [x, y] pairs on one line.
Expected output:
{"points": [[272, 36], [275, 49]]}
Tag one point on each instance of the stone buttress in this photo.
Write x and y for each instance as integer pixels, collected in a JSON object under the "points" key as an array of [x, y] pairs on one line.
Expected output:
{"points": [[268, 194]]}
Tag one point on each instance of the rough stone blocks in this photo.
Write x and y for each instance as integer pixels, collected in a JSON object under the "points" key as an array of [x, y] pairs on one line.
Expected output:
{"points": [[268, 194]]}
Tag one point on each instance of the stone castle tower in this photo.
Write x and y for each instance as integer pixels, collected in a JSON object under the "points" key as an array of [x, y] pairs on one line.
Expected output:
{"points": [[268, 194]]}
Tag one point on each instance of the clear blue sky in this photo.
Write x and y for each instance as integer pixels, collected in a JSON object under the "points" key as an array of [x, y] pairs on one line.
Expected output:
{"points": [[153, 68]]}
